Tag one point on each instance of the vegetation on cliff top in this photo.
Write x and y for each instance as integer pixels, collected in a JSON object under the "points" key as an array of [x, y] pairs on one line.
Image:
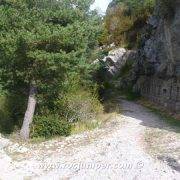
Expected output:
{"points": [[125, 20]]}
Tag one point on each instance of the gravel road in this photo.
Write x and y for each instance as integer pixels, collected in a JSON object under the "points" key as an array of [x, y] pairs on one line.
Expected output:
{"points": [[115, 152]]}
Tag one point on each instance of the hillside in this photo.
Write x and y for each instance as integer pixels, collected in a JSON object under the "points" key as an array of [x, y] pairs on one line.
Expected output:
{"points": [[89, 96]]}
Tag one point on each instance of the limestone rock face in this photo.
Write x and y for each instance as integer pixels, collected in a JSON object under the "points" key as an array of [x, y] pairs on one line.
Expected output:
{"points": [[160, 61], [155, 72], [117, 58]]}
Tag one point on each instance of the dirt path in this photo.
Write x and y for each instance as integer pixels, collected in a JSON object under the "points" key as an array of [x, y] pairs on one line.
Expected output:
{"points": [[116, 151]]}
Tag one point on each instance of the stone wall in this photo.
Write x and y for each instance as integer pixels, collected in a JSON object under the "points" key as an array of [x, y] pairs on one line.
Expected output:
{"points": [[162, 92]]}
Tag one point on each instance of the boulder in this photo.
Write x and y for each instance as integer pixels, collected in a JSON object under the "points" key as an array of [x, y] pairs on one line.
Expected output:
{"points": [[117, 58]]}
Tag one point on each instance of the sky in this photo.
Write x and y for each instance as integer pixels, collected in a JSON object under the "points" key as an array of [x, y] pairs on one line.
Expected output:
{"points": [[101, 5]]}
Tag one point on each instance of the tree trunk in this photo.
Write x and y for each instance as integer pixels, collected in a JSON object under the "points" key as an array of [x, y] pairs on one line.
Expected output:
{"points": [[28, 117]]}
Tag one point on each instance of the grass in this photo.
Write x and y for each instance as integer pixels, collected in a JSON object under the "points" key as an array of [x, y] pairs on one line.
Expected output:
{"points": [[111, 108], [77, 128], [131, 96], [80, 127], [168, 117], [163, 143], [102, 119], [128, 94]]}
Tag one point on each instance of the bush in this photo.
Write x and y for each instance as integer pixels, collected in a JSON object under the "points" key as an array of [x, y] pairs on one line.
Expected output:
{"points": [[126, 68], [124, 23], [132, 96], [50, 125], [75, 107], [80, 105], [12, 109], [6, 122], [117, 24]]}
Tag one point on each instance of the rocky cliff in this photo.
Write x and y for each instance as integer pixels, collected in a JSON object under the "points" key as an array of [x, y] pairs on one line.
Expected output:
{"points": [[155, 73], [159, 58]]}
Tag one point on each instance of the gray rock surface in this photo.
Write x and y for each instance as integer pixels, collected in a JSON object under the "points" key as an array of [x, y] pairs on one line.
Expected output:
{"points": [[161, 61], [156, 71], [117, 58]]}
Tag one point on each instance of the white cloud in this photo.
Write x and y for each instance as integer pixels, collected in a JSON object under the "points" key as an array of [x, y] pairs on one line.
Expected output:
{"points": [[101, 5]]}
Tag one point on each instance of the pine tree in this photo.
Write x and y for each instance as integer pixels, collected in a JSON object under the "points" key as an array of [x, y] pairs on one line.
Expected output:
{"points": [[43, 42]]}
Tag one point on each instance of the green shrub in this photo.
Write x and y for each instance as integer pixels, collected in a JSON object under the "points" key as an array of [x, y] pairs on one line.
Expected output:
{"points": [[85, 126], [124, 23], [12, 108], [74, 109], [76, 104], [6, 122], [49, 126], [126, 68], [79, 105], [132, 96]]}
